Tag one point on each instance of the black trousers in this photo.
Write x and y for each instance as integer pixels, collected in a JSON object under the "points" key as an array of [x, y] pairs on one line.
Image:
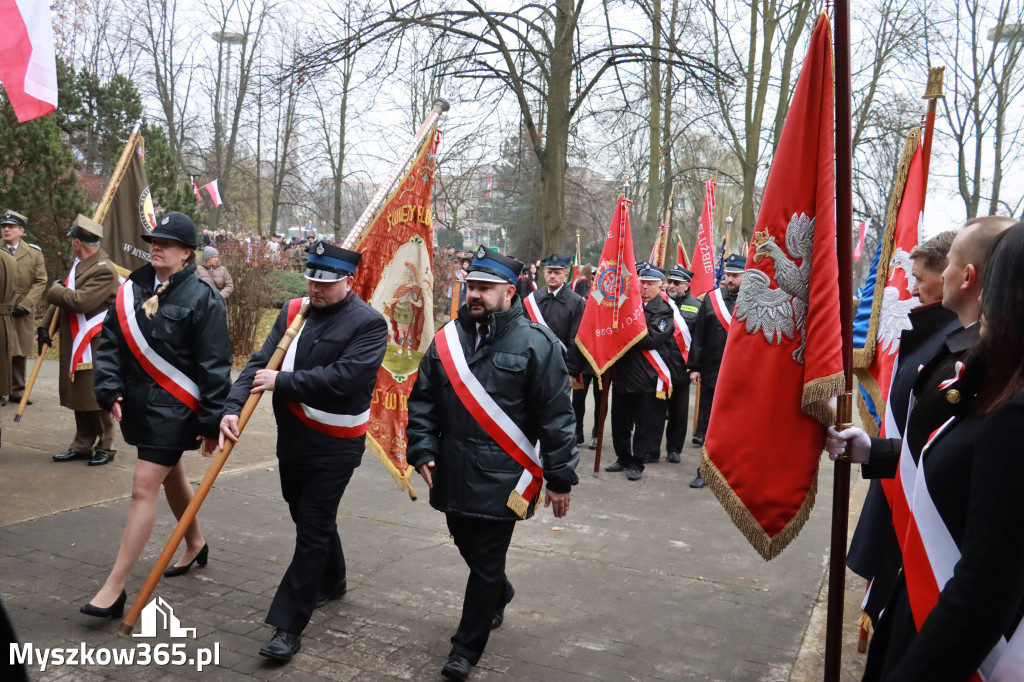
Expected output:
{"points": [[483, 545], [677, 412], [313, 490], [638, 420], [579, 404], [707, 395]]}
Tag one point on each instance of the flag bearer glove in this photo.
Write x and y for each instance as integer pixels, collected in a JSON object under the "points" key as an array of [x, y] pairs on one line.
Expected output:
{"points": [[19, 311], [853, 442], [42, 339]]}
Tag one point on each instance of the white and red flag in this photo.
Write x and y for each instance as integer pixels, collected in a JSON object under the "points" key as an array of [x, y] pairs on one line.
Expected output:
{"points": [[28, 62], [195, 188], [703, 264], [783, 358], [614, 317], [861, 233], [488, 185], [214, 191], [681, 257]]}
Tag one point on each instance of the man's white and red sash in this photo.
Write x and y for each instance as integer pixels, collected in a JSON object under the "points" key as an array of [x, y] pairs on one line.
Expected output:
{"points": [[664, 389], [169, 377], [534, 313], [331, 423], [491, 418], [681, 333], [721, 310], [83, 330]]}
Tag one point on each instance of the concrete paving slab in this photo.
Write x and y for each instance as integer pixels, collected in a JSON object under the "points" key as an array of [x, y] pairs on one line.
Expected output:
{"points": [[643, 580]]}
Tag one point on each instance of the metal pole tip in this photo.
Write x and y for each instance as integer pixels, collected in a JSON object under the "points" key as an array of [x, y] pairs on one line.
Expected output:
{"points": [[443, 103]]}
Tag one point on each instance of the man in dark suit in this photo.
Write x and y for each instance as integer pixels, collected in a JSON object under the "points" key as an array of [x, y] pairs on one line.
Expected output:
{"points": [[710, 332], [678, 406], [322, 405], [561, 310]]}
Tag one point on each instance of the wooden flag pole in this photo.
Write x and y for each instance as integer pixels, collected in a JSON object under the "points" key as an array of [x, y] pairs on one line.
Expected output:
{"points": [[844, 411], [933, 93], [602, 412], [98, 216], [219, 460]]}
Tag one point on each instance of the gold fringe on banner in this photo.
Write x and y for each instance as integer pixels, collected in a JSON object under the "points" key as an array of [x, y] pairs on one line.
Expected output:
{"points": [[767, 547], [403, 479], [816, 396]]}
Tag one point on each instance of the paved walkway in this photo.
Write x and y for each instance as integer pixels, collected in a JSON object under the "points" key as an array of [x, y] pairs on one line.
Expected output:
{"points": [[642, 581]]}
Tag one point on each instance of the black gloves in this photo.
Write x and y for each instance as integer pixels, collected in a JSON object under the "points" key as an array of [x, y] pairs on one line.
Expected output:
{"points": [[19, 311], [42, 339]]}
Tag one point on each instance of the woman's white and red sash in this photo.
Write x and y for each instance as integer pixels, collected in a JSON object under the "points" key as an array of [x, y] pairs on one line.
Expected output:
{"points": [[83, 331], [331, 423], [169, 377], [721, 310], [930, 555], [681, 333], [492, 419]]}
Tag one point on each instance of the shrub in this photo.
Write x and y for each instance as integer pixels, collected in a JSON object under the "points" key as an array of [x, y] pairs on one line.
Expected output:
{"points": [[258, 286]]}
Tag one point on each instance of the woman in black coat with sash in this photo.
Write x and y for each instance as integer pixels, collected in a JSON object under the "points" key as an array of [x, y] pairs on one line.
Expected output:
{"points": [[163, 371], [973, 469]]}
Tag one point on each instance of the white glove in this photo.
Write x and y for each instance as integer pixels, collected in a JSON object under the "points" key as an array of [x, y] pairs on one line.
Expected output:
{"points": [[853, 442]]}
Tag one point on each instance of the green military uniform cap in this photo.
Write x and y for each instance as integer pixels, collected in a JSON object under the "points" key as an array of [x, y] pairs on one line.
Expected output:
{"points": [[14, 218], [86, 229]]}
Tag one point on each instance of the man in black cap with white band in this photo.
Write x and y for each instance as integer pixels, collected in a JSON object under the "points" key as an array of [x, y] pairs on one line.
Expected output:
{"points": [[82, 301], [638, 390], [29, 287], [558, 307], [678, 405], [489, 422], [322, 406], [709, 335]]}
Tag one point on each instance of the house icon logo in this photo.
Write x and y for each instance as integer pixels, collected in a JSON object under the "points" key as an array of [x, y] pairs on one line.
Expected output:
{"points": [[159, 611]]}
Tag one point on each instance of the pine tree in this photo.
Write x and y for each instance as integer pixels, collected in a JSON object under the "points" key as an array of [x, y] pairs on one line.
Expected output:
{"points": [[38, 179], [171, 191]]}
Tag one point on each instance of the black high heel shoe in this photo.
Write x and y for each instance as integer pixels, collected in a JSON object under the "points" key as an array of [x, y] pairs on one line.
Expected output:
{"points": [[115, 610], [201, 559]]}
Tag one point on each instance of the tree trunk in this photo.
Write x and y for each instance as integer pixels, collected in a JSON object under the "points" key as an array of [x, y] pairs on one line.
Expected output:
{"points": [[654, 122]]}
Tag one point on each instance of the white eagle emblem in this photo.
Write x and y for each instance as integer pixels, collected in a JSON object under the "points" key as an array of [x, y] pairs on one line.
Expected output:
{"points": [[894, 315], [782, 311]]}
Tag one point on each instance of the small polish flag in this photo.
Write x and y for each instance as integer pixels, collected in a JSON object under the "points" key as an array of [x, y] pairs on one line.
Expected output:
{"points": [[195, 188], [211, 187], [28, 62]]}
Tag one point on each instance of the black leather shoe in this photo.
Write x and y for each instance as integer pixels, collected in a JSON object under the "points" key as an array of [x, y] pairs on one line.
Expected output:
{"points": [[101, 457], [696, 440], [201, 558], [697, 482], [499, 617], [579, 439], [69, 455], [457, 668], [283, 645], [16, 399], [672, 457], [615, 467], [115, 610], [634, 474], [593, 443], [338, 592]]}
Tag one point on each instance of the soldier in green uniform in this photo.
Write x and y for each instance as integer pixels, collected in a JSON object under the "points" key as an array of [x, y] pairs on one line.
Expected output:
{"points": [[29, 285]]}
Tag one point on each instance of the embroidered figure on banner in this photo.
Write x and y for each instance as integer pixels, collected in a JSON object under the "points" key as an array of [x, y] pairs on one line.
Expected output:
{"points": [[781, 311]]}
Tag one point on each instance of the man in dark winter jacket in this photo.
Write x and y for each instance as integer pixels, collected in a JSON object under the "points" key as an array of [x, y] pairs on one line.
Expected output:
{"points": [[560, 309], [639, 389], [322, 406], [489, 421], [678, 406], [709, 335]]}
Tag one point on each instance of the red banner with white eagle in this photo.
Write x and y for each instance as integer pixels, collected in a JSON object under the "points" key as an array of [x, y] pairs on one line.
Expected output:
{"points": [[874, 364], [783, 358], [614, 317], [396, 279]]}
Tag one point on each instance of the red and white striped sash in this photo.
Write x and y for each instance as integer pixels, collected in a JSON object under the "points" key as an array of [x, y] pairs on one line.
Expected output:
{"points": [[681, 333], [534, 313], [169, 377], [721, 310], [331, 423], [930, 555], [83, 331], [664, 389], [491, 418]]}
